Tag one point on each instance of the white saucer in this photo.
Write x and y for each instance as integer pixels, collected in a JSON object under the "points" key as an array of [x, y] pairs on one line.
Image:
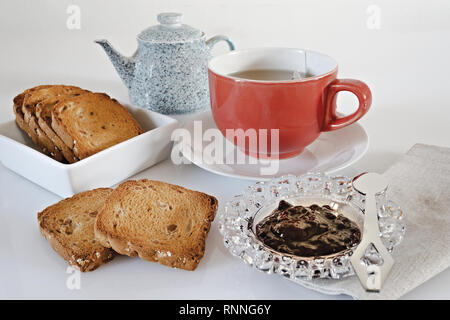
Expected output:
{"points": [[332, 151]]}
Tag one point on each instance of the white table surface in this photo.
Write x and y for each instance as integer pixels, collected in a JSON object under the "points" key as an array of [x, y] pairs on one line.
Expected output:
{"points": [[405, 63]]}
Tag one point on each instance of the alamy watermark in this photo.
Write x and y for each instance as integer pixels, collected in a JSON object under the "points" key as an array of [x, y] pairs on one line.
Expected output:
{"points": [[73, 281], [211, 147], [73, 21], [373, 21]]}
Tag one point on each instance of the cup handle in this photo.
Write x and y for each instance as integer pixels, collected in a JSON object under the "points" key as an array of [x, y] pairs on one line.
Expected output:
{"points": [[362, 92], [211, 42]]}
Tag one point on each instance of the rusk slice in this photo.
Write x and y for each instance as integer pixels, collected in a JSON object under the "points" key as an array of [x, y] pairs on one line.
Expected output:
{"points": [[30, 103], [44, 123], [22, 125], [157, 221], [43, 114], [92, 122], [18, 100], [17, 108], [69, 227]]}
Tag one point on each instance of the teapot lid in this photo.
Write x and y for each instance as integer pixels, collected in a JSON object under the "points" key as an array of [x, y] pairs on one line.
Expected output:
{"points": [[170, 30]]}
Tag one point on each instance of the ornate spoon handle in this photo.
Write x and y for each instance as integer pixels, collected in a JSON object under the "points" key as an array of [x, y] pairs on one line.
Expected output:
{"points": [[372, 275]]}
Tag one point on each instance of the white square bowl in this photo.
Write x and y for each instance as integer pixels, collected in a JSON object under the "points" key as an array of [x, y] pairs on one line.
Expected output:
{"points": [[103, 169]]}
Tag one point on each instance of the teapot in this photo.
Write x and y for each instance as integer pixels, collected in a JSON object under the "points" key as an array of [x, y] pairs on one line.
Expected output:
{"points": [[168, 73]]}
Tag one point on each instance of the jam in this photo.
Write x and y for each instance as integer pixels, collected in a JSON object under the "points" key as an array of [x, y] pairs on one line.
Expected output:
{"points": [[307, 231]]}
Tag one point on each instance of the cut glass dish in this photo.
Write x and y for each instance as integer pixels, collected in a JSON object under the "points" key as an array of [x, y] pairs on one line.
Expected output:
{"points": [[241, 215]]}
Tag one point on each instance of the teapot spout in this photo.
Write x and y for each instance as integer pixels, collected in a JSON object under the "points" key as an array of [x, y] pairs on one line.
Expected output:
{"points": [[125, 66]]}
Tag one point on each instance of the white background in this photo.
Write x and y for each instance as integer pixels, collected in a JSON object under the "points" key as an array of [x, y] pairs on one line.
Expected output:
{"points": [[405, 62]]}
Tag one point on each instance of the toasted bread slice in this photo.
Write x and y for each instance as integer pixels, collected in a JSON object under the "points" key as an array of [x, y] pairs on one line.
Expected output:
{"points": [[30, 103], [157, 221], [45, 141], [69, 227], [40, 93], [20, 120], [92, 122], [45, 126], [18, 100], [43, 113], [22, 125]]}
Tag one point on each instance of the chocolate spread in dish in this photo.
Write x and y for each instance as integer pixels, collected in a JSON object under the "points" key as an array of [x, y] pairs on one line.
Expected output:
{"points": [[307, 231]]}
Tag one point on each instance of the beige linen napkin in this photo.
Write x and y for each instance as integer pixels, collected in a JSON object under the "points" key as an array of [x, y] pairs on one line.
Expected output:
{"points": [[420, 184]]}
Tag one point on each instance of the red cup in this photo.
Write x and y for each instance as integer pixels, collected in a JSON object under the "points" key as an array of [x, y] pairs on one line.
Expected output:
{"points": [[300, 109]]}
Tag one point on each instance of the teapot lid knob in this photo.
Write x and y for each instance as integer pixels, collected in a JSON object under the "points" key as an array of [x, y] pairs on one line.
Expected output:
{"points": [[170, 30], [170, 18]]}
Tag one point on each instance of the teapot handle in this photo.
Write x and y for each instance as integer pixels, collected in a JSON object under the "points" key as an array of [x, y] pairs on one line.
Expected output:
{"points": [[211, 42]]}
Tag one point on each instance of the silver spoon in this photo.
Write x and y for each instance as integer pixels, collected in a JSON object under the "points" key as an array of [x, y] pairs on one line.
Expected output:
{"points": [[297, 75], [372, 276]]}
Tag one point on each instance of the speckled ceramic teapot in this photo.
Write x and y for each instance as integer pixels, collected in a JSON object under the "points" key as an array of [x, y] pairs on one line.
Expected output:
{"points": [[168, 73]]}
